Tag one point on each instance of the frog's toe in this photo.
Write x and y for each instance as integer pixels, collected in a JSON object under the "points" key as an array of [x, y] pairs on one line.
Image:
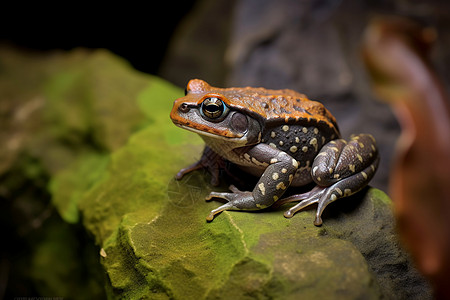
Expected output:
{"points": [[225, 196], [320, 195], [290, 212], [234, 189], [322, 200], [214, 212], [235, 193], [318, 221]]}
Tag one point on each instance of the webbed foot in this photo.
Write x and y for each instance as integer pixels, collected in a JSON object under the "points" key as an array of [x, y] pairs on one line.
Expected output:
{"points": [[237, 200], [317, 195]]}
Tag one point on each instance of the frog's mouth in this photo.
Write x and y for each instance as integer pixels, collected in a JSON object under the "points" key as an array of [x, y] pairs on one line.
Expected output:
{"points": [[218, 135]]}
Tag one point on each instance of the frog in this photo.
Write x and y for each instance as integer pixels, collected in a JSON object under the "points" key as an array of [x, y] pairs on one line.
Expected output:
{"points": [[282, 138]]}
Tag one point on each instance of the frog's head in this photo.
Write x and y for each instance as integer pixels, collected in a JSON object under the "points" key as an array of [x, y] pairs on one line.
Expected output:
{"points": [[209, 112]]}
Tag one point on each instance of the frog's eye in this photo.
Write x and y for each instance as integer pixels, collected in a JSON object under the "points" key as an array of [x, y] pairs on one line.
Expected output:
{"points": [[213, 108]]}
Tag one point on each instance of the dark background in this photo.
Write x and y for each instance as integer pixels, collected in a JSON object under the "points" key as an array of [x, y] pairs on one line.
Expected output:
{"points": [[138, 33]]}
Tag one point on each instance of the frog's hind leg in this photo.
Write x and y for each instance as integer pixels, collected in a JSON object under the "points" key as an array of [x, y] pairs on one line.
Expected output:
{"points": [[325, 195], [340, 169]]}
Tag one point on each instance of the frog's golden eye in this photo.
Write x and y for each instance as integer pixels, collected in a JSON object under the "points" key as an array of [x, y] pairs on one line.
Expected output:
{"points": [[213, 108]]}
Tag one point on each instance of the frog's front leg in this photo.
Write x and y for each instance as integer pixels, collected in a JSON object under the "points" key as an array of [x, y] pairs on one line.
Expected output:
{"points": [[210, 161], [340, 170], [278, 175]]}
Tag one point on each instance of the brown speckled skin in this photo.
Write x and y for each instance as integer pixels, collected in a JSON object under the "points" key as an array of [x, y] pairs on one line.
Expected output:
{"points": [[280, 136], [272, 107]]}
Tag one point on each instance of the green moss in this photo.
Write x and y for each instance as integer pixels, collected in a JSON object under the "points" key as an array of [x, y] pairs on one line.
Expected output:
{"points": [[74, 181], [380, 198]]}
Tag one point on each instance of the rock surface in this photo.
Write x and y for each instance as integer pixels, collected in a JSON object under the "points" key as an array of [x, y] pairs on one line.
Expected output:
{"points": [[153, 238], [157, 243]]}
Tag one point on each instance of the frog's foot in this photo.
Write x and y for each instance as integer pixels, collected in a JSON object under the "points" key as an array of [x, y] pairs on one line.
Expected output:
{"points": [[237, 200], [340, 169], [298, 197], [318, 195]]}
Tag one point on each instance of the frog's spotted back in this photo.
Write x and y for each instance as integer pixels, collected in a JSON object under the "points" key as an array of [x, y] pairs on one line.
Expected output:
{"points": [[274, 106]]}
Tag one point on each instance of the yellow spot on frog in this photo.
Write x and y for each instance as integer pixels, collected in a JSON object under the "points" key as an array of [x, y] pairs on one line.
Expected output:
{"points": [[359, 157], [352, 168], [305, 130], [285, 128], [275, 176], [314, 143], [262, 188], [281, 186], [305, 149], [258, 163], [283, 171], [293, 149]]}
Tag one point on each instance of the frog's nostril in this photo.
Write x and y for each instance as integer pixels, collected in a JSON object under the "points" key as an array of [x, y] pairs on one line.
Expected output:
{"points": [[184, 108]]}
